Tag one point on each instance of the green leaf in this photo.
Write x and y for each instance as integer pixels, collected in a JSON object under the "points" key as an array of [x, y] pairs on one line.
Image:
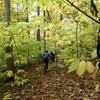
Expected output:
{"points": [[10, 73], [44, 2], [94, 54], [73, 66], [8, 55]]}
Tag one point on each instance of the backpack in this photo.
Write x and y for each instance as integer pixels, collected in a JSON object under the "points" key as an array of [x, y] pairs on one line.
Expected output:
{"points": [[45, 56]]}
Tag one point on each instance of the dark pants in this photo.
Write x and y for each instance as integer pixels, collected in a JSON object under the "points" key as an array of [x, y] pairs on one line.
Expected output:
{"points": [[46, 65], [52, 57]]}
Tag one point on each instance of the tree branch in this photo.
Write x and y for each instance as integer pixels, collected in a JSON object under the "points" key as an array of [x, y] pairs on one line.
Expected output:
{"points": [[82, 11]]}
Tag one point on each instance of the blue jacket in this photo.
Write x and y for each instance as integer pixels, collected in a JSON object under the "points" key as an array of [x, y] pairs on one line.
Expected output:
{"points": [[45, 56]]}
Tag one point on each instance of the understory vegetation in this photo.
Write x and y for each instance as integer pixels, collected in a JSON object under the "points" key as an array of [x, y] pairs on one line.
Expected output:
{"points": [[30, 27]]}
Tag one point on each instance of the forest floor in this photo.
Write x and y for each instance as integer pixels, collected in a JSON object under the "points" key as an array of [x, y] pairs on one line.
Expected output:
{"points": [[56, 84]]}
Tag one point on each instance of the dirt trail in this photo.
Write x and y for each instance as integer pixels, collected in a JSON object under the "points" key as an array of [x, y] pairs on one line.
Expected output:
{"points": [[56, 84]]}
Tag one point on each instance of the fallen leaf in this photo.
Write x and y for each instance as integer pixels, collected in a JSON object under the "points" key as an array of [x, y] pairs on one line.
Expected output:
{"points": [[81, 68], [97, 88], [90, 67]]}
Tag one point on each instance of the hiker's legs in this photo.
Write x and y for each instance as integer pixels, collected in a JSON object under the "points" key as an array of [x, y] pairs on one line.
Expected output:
{"points": [[53, 57], [45, 65], [45, 68]]}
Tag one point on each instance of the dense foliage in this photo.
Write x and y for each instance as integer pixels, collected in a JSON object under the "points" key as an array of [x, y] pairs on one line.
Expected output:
{"points": [[68, 30]]}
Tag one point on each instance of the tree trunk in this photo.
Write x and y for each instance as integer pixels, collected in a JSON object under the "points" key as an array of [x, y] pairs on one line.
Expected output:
{"points": [[10, 61], [45, 41], [7, 12], [28, 32], [18, 12], [77, 40], [38, 30], [9, 49], [38, 11], [44, 32], [61, 17], [38, 34], [49, 16]]}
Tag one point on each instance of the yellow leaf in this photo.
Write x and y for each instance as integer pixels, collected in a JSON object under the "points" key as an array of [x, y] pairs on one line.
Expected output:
{"points": [[7, 97], [85, 98], [81, 68], [90, 67], [97, 88], [96, 70]]}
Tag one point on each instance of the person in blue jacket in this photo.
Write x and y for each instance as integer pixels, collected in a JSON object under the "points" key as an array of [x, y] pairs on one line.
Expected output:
{"points": [[45, 61]]}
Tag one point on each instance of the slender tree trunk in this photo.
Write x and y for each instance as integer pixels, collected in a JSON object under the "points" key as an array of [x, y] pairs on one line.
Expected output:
{"points": [[45, 41], [38, 34], [38, 10], [49, 16], [9, 49], [38, 30], [10, 61], [27, 20], [7, 12], [77, 38], [44, 12], [28, 48], [18, 12], [61, 17], [1, 10]]}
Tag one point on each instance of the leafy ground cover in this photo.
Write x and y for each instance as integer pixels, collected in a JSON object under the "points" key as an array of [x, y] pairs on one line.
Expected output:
{"points": [[56, 84]]}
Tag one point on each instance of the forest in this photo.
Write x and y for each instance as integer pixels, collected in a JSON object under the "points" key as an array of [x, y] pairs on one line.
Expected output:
{"points": [[49, 49]]}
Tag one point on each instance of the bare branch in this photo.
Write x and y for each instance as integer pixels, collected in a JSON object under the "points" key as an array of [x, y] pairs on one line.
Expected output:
{"points": [[82, 11]]}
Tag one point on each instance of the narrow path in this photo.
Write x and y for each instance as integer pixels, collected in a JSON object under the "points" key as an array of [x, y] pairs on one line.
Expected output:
{"points": [[56, 84]]}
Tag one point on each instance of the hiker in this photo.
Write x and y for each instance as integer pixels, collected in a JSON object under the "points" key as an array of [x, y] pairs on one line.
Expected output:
{"points": [[45, 60], [52, 55]]}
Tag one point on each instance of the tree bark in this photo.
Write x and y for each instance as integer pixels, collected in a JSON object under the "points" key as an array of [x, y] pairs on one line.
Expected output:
{"points": [[28, 32], [9, 49], [77, 39], [38, 30], [49, 16], [18, 12], [61, 17], [7, 12], [45, 41], [44, 13], [38, 34]]}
